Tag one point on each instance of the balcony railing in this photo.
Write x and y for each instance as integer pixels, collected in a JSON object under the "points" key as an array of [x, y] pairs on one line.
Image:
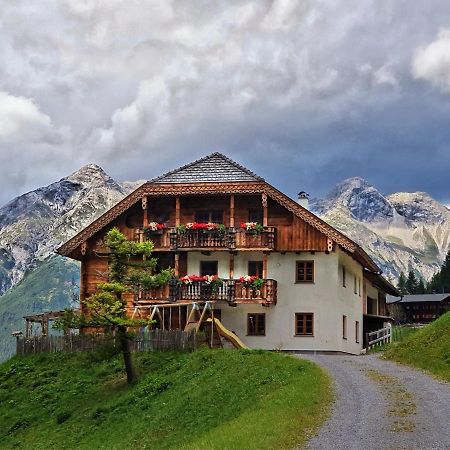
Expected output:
{"points": [[210, 239], [245, 293], [231, 291], [251, 240], [229, 239]]}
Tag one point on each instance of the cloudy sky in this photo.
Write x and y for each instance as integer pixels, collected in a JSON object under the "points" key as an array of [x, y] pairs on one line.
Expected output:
{"points": [[306, 93]]}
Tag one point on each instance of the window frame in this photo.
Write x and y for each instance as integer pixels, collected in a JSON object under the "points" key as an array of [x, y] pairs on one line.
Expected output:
{"points": [[259, 263], [208, 261], [256, 333], [344, 277], [344, 327], [305, 262], [357, 331], [303, 324], [257, 211], [210, 213]]}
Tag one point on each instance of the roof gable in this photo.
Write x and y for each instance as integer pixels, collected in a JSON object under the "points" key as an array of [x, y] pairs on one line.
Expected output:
{"points": [[214, 168]]}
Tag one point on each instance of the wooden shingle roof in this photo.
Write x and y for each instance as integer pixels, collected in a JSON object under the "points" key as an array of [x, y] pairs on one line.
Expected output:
{"points": [[214, 168]]}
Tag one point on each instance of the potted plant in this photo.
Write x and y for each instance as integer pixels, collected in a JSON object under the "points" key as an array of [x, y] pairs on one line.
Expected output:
{"points": [[154, 228], [252, 227]]}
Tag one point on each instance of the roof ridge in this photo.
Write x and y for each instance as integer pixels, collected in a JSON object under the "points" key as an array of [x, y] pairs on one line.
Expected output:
{"points": [[205, 158]]}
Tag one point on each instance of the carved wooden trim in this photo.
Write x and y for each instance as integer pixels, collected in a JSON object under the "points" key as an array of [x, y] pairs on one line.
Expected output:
{"points": [[264, 199], [83, 248], [182, 189], [144, 202], [329, 244]]}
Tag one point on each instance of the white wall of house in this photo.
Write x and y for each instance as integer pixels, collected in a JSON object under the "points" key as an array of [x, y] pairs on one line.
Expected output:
{"points": [[325, 298]]}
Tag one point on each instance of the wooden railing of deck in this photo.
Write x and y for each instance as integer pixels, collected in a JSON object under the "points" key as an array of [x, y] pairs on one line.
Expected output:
{"points": [[252, 240], [232, 291], [267, 293]]}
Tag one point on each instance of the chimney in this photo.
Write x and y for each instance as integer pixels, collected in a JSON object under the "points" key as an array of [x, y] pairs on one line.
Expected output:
{"points": [[303, 199]]}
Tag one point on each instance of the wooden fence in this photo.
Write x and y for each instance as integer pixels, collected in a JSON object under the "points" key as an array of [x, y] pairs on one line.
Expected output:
{"points": [[379, 337], [164, 340]]}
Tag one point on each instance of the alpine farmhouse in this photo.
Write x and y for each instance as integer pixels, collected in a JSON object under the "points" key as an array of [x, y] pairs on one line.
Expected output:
{"points": [[289, 281]]}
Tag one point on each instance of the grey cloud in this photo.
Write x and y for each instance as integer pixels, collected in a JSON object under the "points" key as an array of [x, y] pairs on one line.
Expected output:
{"points": [[306, 93]]}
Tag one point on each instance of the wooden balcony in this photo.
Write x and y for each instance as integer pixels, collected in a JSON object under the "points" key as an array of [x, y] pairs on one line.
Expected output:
{"points": [[230, 239], [267, 294], [249, 240], [204, 239], [231, 291]]}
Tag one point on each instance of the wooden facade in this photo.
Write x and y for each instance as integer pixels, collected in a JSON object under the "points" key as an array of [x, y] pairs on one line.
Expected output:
{"points": [[225, 194]]}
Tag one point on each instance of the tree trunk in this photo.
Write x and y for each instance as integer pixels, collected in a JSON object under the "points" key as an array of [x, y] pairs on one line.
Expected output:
{"points": [[125, 346]]}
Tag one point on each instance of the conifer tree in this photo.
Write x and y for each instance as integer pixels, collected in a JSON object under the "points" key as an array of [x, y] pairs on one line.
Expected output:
{"points": [[411, 283], [401, 284]]}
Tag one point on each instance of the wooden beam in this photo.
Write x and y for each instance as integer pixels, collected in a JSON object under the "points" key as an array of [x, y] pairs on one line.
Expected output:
{"points": [[231, 266], [264, 205], [232, 210], [264, 268], [177, 211], [177, 265]]}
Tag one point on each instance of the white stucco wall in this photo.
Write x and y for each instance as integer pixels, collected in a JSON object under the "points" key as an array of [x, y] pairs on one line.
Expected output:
{"points": [[325, 298]]}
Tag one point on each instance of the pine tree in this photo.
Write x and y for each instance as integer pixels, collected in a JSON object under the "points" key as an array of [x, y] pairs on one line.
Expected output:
{"points": [[411, 283], [421, 287], [401, 284]]}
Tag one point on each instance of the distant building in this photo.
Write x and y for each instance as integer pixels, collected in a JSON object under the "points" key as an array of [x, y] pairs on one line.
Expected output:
{"points": [[421, 308]]}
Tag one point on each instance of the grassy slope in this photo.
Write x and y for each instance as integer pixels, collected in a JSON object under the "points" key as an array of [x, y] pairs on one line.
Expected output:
{"points": [[224, 399], [427, 348], [48, 287]]}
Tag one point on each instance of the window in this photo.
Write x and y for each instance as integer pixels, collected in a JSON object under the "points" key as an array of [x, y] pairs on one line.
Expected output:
{"points": [[355, 286], [344, 327], [357, 332], [205, 216], [304, 272], [255, 215], [304, 324], [255, 268], [256, 324], [343, 277], [359, 286], [209, 268]]}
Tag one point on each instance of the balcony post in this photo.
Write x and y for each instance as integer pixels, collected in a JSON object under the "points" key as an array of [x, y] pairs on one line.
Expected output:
{"points": [[231, 210], [177, 211], [177, 265], [264, 205], [231, 265], [264, 267]]}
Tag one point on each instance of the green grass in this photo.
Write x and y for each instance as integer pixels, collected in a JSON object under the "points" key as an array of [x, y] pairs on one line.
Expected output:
{"points": [[399, 334], [223, 399], [49, 287], [427, 348]]}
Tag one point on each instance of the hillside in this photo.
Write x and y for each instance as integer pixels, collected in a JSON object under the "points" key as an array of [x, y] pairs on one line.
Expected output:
{"points": [[427, 348], [400, 231], [203, 400], [51, 286]]}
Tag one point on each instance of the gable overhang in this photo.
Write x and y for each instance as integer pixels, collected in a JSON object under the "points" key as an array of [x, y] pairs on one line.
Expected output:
{"points": [[382, 284], [156, 189]]}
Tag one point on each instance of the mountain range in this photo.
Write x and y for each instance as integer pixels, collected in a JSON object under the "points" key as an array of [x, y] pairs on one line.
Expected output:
{"points": [[400, 231]]}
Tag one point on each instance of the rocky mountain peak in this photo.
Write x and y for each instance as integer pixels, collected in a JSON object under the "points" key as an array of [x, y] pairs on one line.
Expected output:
{"points": [[419, 207], [359, 198]]}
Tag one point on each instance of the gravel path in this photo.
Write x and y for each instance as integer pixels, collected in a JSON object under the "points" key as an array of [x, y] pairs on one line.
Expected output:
{"points": [[383, 406]]}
